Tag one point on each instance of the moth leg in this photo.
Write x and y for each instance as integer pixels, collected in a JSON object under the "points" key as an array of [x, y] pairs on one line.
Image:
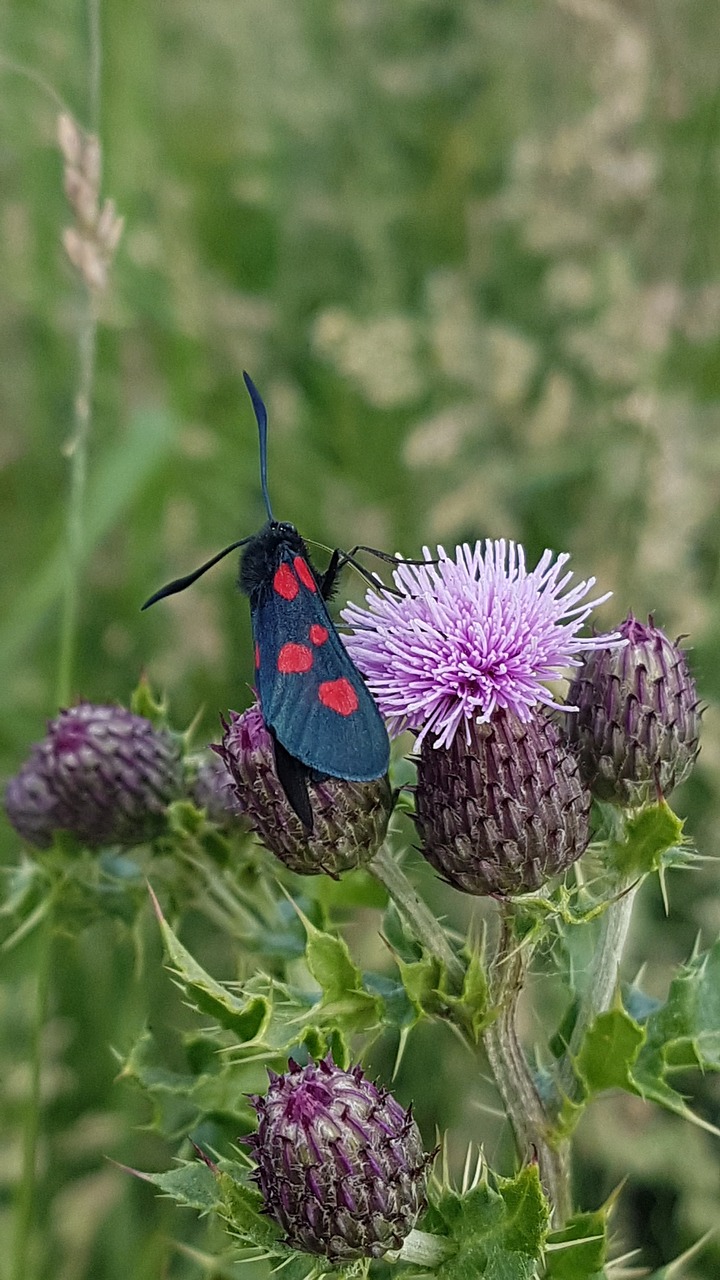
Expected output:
{"points": [[339, 559], [293, 775], [328, 580]]}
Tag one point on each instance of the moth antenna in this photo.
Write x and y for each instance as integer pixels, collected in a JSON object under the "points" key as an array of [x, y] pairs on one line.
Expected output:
{"points": [[179, 584], [261, 418]]}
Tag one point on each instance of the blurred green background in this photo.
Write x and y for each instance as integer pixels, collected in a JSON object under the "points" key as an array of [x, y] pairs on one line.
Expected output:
{"points": [[469, 251]]}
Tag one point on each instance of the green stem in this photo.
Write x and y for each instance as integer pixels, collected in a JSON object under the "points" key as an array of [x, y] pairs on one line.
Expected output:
{"points": [[76, 451], [26, 1200], [530, 1121], [94, 63], [416, 913], [603, 978]]}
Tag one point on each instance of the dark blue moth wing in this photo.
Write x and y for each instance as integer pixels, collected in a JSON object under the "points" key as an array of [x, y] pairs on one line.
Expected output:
{"points": [[312, 695]]}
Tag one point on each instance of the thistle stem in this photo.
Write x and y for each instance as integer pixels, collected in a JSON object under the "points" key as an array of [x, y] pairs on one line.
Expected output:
{"points": [[530, 1121], [417, 914], [603, 978], [26, 1199]]}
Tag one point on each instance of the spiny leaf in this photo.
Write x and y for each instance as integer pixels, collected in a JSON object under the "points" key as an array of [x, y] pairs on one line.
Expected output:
{"points": [[344, 995], [193, 1184], [241, 1207], [247, 1020], [472, 1008], [608, 1051], [648, 836], [639, 1054], [499, 1229], [579, 1250]]}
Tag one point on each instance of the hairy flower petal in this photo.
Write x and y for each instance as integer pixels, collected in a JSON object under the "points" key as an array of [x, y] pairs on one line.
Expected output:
{"points": [[470, 636]]}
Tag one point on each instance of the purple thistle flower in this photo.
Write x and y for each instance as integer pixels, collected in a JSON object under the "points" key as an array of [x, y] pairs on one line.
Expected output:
{"points": [[470, 637], [340, 1163], [100, 773], [350, 818]]}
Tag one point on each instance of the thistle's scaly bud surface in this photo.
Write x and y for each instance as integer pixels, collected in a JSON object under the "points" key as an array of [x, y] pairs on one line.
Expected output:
{"points": [[637, 726], [505, 811], [340, 1163], [212, 788], [100, 773], [350, 818]]}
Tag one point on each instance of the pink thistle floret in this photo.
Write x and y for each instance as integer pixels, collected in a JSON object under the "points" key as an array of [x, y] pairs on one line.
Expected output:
{"points": [[471, 636]]}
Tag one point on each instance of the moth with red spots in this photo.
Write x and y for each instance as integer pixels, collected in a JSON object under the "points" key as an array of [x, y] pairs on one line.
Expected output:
{"points": [[314, 701]]}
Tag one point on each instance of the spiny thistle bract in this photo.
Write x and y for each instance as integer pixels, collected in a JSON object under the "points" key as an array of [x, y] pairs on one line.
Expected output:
{"points": [[340, 1163], [637, 724], [504, 812], [101, 773], [350, 818]]}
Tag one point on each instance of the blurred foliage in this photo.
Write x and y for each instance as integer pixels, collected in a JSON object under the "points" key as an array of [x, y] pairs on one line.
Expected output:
{"points": [[469, 253]]}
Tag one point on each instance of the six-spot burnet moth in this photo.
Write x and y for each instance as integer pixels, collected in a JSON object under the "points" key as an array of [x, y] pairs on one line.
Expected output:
{"points": [[314, 701]]}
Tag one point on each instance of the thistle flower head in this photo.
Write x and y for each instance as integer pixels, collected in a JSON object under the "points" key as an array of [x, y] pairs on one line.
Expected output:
{"points": [[469, 637], [340, 1163], [637, 723], [100, 773], [504, 812], [350, 818]]}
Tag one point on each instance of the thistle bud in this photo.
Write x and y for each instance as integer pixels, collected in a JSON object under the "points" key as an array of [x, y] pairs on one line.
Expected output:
{"points": [[637, 724], [350, 818], [211, 787], [504, 812], [100, 773], [340, 1163]]}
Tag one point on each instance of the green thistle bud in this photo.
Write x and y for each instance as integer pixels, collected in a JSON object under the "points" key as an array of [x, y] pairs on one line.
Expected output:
{"points": [[504, 812], [100, 773], [637, 726], [350, 818], [340, 1163]]}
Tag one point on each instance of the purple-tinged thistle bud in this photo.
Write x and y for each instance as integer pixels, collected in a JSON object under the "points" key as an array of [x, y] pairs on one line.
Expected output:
{"points": [[350, 818], [637, 725], [101, 773], [506, 810], [212, 788], [340, 1163]]}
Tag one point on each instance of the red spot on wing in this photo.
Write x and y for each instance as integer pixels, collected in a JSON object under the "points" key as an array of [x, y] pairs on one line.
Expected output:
{"points": [[294, 659], [285, 582], [302, 569], [318, 634], [339, 696], [257, 656]]}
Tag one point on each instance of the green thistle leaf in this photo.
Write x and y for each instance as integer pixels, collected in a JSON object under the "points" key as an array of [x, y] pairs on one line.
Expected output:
{"points": [[499, 1229], [579, 1250], [246, 1019]]}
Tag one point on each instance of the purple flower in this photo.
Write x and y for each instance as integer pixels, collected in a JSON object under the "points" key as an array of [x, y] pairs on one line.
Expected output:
{"points": [[101, 773], [350, 818], [471, 636], [340, 1163]]}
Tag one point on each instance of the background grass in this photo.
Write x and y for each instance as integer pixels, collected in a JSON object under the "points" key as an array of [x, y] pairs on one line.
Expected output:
{"points": [[469, 253]]}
